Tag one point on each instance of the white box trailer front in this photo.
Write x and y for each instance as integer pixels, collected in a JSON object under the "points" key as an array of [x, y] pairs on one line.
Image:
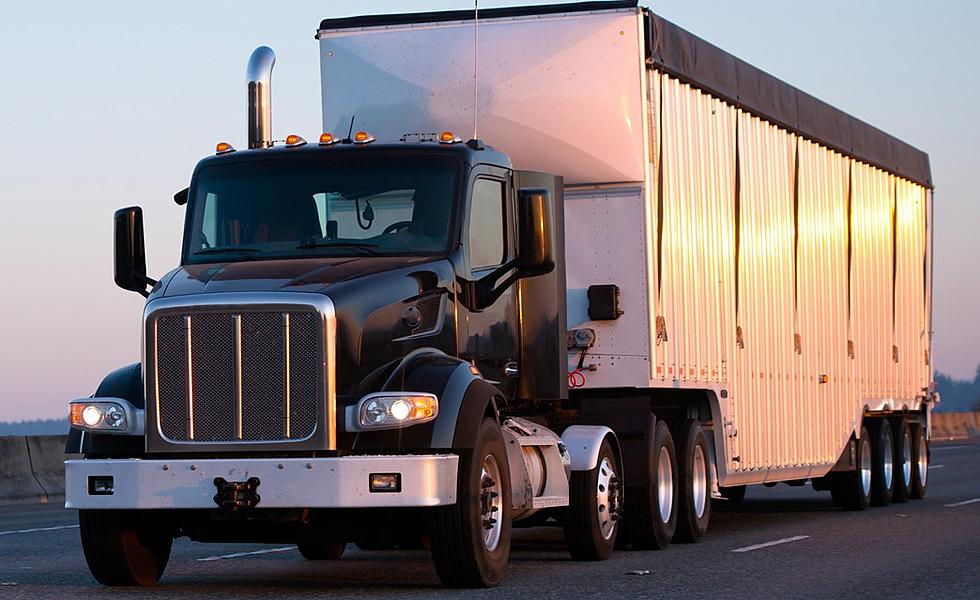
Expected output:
{"points": [[770, 250]]}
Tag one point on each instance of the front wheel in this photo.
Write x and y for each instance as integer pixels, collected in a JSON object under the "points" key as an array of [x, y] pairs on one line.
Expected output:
{"points": [[124, 547], [595, 507], [471, 539]]}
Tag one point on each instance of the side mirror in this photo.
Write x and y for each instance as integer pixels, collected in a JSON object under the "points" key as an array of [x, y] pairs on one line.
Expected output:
{"points": [[534, 232], [130, 251]]}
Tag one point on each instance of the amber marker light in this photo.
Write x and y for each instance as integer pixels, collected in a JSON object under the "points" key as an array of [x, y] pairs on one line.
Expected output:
{"points": [[363, 137], [293, 140], [328, 139], [448, 137], [223, 148]]}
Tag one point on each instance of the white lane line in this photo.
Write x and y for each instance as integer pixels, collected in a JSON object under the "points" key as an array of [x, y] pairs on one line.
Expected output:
{"points": [[37, 529], [795, 538], [964, 503], [241, 554], [937, 466]]}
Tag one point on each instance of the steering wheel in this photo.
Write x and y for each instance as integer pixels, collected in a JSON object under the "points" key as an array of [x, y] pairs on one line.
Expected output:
{"points": [[396, 227]]}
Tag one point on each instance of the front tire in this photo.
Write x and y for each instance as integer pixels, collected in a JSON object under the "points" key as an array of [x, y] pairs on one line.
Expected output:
{"points": [[320, 550], [651, 517], [124, 547], [694, 475], [471, 539], [595, 507]]}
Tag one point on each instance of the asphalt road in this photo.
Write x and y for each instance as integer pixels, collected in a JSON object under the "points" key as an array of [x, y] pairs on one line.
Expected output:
{"points": [[927, 548]]}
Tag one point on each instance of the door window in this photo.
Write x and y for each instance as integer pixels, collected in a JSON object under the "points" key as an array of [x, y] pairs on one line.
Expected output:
{"points": [[486, 231]]}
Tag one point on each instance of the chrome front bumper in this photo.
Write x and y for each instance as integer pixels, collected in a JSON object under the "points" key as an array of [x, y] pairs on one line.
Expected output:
{"points": [[341, 482]]}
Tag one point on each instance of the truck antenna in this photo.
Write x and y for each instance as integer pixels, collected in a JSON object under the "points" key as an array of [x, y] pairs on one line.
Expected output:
{"points": [[350, 130], [476, 62]]}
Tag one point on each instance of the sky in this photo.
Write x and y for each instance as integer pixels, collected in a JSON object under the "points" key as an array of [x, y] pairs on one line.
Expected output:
{"points": [[111, 104]]}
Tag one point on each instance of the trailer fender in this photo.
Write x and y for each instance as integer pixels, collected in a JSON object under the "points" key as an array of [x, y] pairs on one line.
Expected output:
{"points": [[126, 383], [583, 443]]}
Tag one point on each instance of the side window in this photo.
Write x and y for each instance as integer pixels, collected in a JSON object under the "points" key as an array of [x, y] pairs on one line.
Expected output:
{"points": [[209, 226], [485, 241]]}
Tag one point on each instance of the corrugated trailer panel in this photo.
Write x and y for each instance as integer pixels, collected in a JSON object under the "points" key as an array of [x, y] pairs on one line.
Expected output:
{"points": [[695, 141], [770, 268]]}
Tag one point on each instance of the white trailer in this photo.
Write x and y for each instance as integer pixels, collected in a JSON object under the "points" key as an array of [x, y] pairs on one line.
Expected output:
{"points": [[772, 254]]}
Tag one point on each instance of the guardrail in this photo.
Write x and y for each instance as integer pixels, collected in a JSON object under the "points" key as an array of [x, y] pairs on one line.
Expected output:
{"points": [[955, 425], [32, 468]]}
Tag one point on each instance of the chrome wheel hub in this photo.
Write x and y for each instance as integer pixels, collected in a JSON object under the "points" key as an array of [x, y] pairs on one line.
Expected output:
{"points": [[922, 460], [491, 500], [906, 459], [665, 485], [699, 481], [889, 462], [608, 499], [865, 468]]}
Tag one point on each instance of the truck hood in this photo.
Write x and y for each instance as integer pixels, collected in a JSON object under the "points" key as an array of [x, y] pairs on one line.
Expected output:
{"points": [[294, 275]]}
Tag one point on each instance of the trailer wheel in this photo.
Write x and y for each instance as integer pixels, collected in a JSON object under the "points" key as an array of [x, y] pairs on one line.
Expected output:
{"points": [[851, 490], [734, 494], [882, 462], [471, 539], [595, 508], [920, 461], [902, 435], [124, 547], [694, 475], [320, 550], [651, 516]]}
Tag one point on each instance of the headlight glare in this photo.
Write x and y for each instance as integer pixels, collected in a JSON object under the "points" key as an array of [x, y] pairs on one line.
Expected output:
{"points": [[105, 415], [389, 410]]}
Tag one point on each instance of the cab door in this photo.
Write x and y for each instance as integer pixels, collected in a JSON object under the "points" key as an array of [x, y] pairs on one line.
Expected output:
{"points": [[488, 335]]}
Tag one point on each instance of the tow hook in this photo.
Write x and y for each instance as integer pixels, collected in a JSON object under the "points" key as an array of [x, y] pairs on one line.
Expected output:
{"points": [[236, 495]]}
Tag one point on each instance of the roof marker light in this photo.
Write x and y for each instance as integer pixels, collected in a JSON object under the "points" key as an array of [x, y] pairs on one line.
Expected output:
{"points": [[363, 137], [448, 137], [293, 140], [223, 148], [328, 139]]}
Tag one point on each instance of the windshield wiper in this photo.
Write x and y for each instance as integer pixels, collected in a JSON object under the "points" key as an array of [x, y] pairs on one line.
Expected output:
{"points": [[365, 247], [243, 251]]}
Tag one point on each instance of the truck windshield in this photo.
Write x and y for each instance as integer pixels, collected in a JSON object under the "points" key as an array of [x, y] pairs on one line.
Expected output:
{"points": [[301, 207]]}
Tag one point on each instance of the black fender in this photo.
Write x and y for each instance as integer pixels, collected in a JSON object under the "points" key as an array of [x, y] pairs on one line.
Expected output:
{"points": [[126, 383], [464, 399], [634, 424]]}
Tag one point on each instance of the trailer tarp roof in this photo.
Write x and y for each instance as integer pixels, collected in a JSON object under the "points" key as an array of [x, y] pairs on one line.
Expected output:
{"points": [[686, 56]]}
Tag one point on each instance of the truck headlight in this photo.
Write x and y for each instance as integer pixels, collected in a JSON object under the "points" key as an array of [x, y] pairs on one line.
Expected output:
{"points": [[106, 415], [390, 410]]}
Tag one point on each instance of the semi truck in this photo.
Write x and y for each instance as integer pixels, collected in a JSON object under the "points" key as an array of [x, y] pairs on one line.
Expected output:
{"points": [[564, 265]]}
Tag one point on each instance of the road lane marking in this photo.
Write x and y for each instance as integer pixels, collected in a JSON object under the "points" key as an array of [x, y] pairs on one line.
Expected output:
{"points": [[937, 466], [964, 503], [241, 554], [37, 529], [938, 448], [795, 538]]}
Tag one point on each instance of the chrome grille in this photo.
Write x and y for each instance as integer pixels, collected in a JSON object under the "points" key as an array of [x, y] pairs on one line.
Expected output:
{"points": [[238, 376]]}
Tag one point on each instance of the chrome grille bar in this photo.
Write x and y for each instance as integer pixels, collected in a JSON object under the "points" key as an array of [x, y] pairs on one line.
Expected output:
{"points": [[190, 377], [285, 320], [237, 349]]}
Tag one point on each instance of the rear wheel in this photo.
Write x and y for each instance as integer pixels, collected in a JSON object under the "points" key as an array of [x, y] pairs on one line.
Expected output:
{"points": [[651, 517], [595, 508], [471, 539], [882, 463], [124, 547], [320, 550], [902, 436], [694, 476], [920, 461], [852, 489]]}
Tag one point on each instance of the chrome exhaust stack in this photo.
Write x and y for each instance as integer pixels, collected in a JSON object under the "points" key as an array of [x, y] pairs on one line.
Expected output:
{"points": [[259, 75]]}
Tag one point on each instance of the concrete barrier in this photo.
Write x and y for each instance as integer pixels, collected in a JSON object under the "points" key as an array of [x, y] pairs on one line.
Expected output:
{"points": [[32, 468], [955, 425]]}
